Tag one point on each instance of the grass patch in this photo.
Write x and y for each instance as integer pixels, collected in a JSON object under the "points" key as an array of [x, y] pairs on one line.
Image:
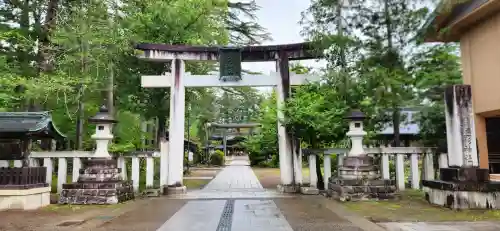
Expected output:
{"points": [[195, 183], [53, 186], [413, 208]]}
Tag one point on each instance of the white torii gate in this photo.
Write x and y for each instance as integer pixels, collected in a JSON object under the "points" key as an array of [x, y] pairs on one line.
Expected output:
{"points": [[171, 172]]}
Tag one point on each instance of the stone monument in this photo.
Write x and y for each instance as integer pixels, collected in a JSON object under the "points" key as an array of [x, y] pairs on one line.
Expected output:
{"points": [[463, 184], [100, 180], [359, 177]]}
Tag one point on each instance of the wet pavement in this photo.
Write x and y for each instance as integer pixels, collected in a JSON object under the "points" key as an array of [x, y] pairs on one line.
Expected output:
{"points": [[233, 201], [236, 201]]}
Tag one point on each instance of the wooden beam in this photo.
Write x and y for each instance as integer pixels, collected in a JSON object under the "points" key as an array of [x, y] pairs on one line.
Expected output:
{"points": [[163, 81]]}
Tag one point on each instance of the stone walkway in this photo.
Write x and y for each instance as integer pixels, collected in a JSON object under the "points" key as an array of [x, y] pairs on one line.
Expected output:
{"points": [[236, 181], [235, 200]]}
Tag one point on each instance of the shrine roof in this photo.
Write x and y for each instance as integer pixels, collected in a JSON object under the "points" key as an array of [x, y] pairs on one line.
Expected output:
{"points": [[229, 139], [451, 18], [35, 125], [236, 125], [295, 51]]}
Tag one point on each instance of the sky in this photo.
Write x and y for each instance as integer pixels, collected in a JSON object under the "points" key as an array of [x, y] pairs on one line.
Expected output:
{"points": [[281, 19]]}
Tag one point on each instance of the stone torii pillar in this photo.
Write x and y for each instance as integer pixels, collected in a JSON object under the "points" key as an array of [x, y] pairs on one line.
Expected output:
{"points": [[289, 158]]}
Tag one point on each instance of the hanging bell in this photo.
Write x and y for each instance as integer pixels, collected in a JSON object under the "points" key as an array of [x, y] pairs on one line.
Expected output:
{"points": [[230, 64]]}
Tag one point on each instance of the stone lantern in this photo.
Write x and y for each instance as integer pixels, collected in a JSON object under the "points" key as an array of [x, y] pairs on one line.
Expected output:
{"points": [[102, 135], [356, 132], [359, 176], [100, 180]]}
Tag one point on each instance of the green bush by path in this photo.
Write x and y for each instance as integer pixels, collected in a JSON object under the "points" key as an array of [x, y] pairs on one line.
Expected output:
{"points": [[217, 158]]}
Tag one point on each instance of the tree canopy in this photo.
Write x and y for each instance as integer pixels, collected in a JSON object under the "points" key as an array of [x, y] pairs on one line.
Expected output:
{"points": [[70, 57]]}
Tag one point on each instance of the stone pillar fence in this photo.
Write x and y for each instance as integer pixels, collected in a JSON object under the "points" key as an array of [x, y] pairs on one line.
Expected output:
{"points": [[64, 175], [411, 164]]}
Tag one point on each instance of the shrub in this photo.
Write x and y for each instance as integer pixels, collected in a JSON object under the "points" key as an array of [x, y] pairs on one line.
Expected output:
{"points": [[217, 158]]}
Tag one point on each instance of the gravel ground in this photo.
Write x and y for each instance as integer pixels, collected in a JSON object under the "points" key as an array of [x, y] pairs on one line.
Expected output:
{"points": [[147, 217], [24, 221], [269, 177], [45, 219], [309, 214], [141, 214]]}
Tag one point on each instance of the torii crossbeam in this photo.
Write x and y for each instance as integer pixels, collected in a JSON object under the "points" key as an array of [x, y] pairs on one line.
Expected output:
{"points": [[291, 173]]}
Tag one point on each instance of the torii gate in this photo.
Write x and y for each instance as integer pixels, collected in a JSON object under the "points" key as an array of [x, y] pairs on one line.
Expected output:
{"points": [[289, 155]]}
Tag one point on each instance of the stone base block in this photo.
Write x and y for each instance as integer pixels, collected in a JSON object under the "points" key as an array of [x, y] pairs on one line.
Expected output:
{"points": [[464, 174], [309, 191], [465, 194], [353, 190], [462, 199], [96, 196], [25, 199], [173, 190], [288, 188], [354, 174], [100, 183]]}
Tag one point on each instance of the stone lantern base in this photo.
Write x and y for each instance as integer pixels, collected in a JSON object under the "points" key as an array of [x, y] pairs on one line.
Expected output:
{"points": [[463, 188], [99, 182], [360, 180]]}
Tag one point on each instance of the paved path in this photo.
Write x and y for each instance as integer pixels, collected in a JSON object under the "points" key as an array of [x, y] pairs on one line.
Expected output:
{"points": [[233, 201], [235, 181]]}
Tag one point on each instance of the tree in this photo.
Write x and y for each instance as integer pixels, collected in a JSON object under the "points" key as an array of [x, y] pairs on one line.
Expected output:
{"points": [[244, 31], [264, 145], [435, 68], [382, 35]]}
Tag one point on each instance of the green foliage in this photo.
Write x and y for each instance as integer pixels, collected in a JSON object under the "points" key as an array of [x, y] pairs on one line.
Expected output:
{"points": [[435, 68], [264, 145], [86, 50], [217, 158]]}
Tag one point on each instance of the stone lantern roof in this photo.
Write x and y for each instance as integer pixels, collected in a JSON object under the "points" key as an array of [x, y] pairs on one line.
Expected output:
{"points": [[102, 117], [355, 115]]}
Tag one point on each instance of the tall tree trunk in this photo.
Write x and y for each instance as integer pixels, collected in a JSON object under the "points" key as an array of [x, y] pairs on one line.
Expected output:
{"points": [[396, 116], [110, 90], [396, 121], [340, 33], [321, 182], [342, 55], [45, 64], [79, 120], [45, 54]]}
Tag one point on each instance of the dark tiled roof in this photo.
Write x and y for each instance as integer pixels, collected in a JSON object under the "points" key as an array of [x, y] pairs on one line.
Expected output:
{"points": [[236, 125], [447, 13], [28, 124]]}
